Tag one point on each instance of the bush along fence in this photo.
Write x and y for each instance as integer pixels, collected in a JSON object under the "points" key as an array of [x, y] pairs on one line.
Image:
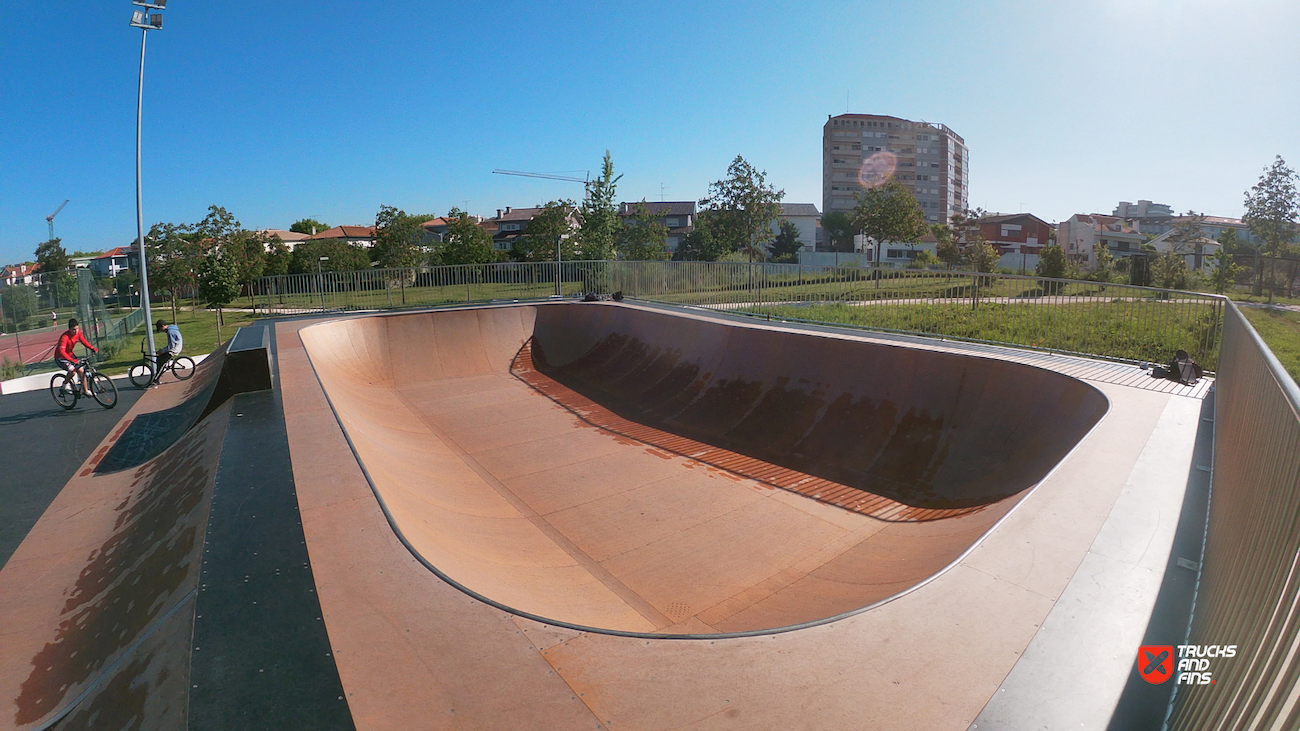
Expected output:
{"points": [[1112, 321], [35, 312]]}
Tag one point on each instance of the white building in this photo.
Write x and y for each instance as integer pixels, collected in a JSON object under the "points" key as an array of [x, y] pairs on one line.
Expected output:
{"points": [[1078, 234], [806, 219]]}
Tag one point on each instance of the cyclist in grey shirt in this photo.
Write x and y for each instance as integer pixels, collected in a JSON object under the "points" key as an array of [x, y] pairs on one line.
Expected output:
{"points": [[174, 343]]}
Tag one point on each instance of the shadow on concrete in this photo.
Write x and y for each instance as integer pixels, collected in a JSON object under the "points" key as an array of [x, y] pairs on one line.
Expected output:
{"points": [[43, 446], [1142, 705]]}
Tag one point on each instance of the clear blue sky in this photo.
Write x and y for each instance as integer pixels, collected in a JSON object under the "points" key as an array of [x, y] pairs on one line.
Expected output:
{"points": [[284, 110]]}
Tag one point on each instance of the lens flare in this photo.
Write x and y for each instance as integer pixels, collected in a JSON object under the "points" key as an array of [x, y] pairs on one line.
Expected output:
{"points": [[877, 169]]}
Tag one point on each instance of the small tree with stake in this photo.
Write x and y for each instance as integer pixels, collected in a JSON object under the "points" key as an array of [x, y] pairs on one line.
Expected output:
{"points": [[218, 285]]}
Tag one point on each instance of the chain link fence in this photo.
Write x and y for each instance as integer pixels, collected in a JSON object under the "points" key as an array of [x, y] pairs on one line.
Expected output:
{"points": [[35, 310]]}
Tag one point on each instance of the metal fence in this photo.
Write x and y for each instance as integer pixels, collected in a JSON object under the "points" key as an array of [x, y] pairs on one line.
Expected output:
{"points": [[35, 310], [371, 289], [1249, 587], [1113, 321]]}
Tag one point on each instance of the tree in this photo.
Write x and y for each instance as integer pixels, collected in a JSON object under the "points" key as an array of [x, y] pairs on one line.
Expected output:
{"points": [[175, 253], [51, 256], [1233, 244], [838, 226], [1271, 209], [247, 255], [1052, 263], [643, 237], [924, 258], [742, 207], [1225, 269], [947, 250], [124, 283], [785, 247], [1186, 232], [19, 303], [889, 213], [1101, 270], [309, 226], [218, 285], [218, 227], [397, 237], [278, 257], [538, 243], [703, 243], [982, 255], [1169, 270], [599, 215], [465, 242], [343, 257]]}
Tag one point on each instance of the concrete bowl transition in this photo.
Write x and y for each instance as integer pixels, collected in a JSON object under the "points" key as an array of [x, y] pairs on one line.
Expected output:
{"points": [[628, 470]]}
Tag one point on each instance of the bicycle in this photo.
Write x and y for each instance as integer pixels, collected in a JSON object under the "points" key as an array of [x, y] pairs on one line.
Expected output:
{"points": [[142, 374], [102, 388]]}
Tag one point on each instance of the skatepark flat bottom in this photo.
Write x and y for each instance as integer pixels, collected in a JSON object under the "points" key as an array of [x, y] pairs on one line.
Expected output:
{"points": [[622, 469]]}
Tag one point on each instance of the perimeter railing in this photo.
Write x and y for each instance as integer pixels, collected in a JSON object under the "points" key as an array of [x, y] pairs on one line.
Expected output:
{"points": [[1114, 321], [1248, 591]]}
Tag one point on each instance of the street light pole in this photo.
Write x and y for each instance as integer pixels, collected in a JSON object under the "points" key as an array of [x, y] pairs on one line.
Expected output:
{"points": [[153, 22], [320, 281], [559, 263]]}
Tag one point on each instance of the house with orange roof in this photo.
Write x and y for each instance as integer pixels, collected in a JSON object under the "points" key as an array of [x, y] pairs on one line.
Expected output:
{"points": [[115, 261], [363, 235]]}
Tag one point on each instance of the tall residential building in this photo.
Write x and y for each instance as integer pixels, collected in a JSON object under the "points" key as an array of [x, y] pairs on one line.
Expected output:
{"points": [[928, 159]]}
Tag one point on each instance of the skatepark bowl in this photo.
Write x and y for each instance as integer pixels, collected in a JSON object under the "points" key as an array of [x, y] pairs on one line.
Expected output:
{"points": [[633, 471]]}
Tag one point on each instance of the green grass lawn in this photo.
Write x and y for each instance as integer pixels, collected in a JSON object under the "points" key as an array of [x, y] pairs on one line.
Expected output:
{"points": [[198, 327], [1281, 331], [1150, 331]]}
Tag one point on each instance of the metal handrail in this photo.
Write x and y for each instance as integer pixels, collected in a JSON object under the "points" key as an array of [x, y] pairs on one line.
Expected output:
{"points": [[1248, 586]]}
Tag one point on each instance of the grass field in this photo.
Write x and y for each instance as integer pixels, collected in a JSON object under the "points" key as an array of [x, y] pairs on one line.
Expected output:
{"points": [[198, 327], [1150, 331], [1281, 331]]}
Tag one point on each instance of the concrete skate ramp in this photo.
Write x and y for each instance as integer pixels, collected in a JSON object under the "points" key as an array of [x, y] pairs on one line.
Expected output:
{"points": [[626, 469]]}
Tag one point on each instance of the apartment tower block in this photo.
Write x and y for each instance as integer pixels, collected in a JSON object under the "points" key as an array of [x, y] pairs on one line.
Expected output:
{"points": [[930, 160]]}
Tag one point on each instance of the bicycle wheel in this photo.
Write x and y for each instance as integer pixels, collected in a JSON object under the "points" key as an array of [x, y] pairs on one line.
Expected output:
{"points": [[66, 399], [104, 390], [141, 375], [183, 368]]}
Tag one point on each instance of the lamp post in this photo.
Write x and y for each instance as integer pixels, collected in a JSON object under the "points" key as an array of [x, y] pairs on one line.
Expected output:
{"points": [[145, 23], [320, 281], [559, 261]]}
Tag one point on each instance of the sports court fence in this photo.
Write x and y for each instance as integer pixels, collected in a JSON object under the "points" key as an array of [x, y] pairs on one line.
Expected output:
{"points": [[35, 311]]}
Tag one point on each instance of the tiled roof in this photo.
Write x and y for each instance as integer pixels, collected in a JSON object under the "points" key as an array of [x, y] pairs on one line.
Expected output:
{"points": [[1004, 217], [111, 253], [667, 208], [519, 214], [285, 235], [347, 232], [435, 223], [799, 209]]}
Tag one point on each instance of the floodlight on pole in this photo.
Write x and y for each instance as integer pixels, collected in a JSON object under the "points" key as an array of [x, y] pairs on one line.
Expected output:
{"points": [[145, 22]]}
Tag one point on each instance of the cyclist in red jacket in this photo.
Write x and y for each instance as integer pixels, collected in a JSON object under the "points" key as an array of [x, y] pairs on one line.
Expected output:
{"points": [[66, 358]]}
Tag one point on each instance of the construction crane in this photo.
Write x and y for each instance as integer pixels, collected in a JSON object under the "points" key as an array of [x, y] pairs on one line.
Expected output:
{"points": [[548, 176], [50, 218]]}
